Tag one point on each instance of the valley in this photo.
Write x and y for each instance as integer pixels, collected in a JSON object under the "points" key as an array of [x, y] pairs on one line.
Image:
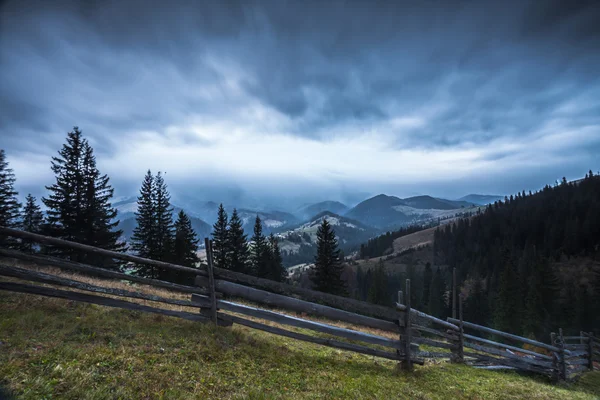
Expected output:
{"points": [[296, 228]]}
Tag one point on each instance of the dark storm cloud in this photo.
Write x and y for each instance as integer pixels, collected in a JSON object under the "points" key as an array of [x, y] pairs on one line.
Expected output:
{"points": [[425, 76]]}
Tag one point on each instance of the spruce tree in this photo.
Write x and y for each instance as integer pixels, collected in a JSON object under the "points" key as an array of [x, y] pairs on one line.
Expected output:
{"points": [[278, 272], [220, 240], [99, 215], [32, 222], [237, 241], [326, 275], [185, 248], [163, 213], [9, 205], [507, 312], [260, 251], [78, 205], [476, 305], [437, 291], [427, 277], [143, 240], [378, 290]]}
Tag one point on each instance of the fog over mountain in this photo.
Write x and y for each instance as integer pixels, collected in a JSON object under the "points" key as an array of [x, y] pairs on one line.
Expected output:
{"points": [[278, 104]]}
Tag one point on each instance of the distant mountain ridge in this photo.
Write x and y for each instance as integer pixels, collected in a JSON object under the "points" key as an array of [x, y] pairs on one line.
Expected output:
{"points": [[390, 212], [298, 245], [309, 211], [481, 199], [376, 214]]}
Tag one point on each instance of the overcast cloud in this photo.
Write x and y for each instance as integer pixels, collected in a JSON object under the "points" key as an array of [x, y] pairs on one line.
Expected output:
{"points": [[305, 100]]}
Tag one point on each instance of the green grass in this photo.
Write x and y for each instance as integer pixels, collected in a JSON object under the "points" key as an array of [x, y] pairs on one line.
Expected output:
{"points": [[52, 348]]}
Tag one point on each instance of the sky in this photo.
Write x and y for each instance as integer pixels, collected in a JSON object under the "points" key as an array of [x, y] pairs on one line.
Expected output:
{"points": [[286, 102]]}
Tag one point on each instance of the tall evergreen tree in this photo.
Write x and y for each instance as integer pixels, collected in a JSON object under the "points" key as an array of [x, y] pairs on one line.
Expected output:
{"points": [[99, 215], [79, 207], [185, 248], [507, 311], [32, 222], [9, 205], [164, 222], [238, 251], [327, 272], [427, 277], [278, 272], [143, 240], [437, 291], [475, 306], [221, 240], [260, 256], [378, 290]]}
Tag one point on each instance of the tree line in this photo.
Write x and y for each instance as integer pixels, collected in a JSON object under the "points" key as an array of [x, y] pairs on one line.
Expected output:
{"points": [[78, 208], [380, 245], [261, 257], [531, 263]]}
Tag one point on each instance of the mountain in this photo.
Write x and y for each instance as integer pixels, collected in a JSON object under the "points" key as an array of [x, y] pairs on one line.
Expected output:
{"points": [[481, 199], [272, 221], [428, 202], [378, 211], [304, 213], [390, 212], [298, 245]]}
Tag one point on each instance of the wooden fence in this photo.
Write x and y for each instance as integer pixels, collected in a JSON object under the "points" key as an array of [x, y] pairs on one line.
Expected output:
{"points": [[214, 290]]}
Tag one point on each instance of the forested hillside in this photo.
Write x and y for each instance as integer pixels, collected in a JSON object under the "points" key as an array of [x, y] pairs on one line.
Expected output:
{"points": [[530, 264], [383, 244]]}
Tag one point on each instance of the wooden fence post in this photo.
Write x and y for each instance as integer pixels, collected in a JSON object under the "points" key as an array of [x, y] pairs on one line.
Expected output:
{"points": [[407, 329], [454, 292], [401, 330], [461, 334], [555, 370], [211, 280], [591, 351], [562, 361]]}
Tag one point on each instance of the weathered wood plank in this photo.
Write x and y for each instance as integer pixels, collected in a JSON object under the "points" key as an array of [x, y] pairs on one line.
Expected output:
{"points": [[418, 314], [508, 355], [578, 361], [95, 271], [306, 324], [561, 345], [433, 332], [55, 280], [461, 333], [577, 354], [432, 354], [339, 302], [435, 343], [576, 346], [578, 338], [100, 300], [509, 363], [506, 346], [211, 280], [407, 332], [470, 325], [312, 339], [293, 304], [95, 250]]}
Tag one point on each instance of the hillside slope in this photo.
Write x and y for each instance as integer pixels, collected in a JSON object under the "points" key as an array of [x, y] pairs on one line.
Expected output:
{"points": [[298, 245], [54, 348], [311, 210]]}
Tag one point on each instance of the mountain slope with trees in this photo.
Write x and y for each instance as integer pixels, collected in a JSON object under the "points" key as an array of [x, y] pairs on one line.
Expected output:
{"points": [[533, 260]]}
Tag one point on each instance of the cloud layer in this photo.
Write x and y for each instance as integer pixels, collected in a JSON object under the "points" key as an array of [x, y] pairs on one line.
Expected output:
{"points": [[306, 99]]}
